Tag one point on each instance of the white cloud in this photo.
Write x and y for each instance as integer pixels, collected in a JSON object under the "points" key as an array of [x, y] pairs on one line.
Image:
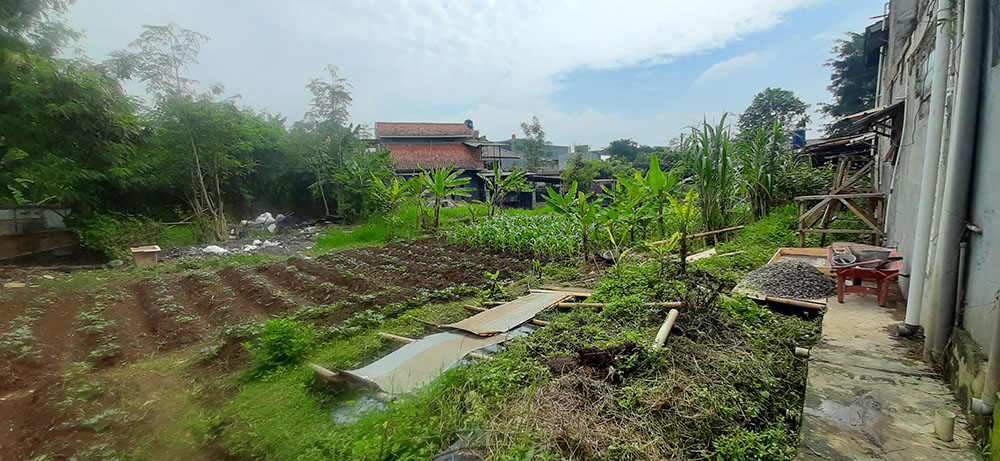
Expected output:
{"points": [[412, 59], [726, 68]]}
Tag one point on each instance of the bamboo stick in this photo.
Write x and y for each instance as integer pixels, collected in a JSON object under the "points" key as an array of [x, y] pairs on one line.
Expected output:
{"points": [[670, 304], [668, 324]]}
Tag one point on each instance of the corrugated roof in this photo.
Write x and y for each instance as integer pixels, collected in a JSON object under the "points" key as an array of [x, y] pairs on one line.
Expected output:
{"points": [[423, 130], [412, 156], [494, 152]]}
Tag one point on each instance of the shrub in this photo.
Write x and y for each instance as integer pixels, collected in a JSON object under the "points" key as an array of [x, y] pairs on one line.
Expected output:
{"points": [[113, 233], [280, 342]]}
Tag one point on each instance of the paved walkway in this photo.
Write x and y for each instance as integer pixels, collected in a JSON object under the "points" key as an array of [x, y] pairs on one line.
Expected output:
{"points": [[869, 396]]}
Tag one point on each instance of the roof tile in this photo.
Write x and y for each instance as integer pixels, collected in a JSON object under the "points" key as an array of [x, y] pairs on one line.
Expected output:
{"points": [[412, 156], [421, 129]]}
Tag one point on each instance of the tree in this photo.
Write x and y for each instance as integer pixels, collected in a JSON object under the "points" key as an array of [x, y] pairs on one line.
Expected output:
{"points": [[498, 186], [624, 148], [774, 104], [161, 58], [439, 183], [852, 83], [533, 146], [330, 101], [68, 133]]}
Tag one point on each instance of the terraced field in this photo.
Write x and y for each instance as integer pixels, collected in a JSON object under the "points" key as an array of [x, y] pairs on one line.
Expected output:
{"points": [[48, 333]]}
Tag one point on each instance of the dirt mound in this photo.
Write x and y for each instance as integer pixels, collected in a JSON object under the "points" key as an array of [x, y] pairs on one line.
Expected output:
{"points": [[790, 279]]}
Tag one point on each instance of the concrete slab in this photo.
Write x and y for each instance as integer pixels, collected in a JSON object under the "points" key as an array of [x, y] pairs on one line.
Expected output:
{"points": [[869, 396]]}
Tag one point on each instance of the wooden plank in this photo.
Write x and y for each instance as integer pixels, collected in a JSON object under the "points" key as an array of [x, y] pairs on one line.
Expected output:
{"points": [[815, 257], [861, 214], [508, 316], [844, 231], [418, 362], [577, 294], [537, 322], [828, 196]]}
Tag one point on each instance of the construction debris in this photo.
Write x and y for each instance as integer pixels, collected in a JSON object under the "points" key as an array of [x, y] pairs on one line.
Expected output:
{"points": [[790, 279]]}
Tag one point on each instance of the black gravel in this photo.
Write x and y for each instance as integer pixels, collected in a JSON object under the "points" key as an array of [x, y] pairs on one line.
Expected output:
{"points": [[791, 279]]}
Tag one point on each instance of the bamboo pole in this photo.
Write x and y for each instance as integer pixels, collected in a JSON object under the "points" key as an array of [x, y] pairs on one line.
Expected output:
{"points": [[668, 324], [701, 234]]}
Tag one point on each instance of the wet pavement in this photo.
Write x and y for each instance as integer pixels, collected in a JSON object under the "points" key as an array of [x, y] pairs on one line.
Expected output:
{"points": [[869, 396]]}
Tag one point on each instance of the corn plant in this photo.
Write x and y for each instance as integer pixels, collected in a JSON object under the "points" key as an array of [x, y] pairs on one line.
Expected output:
{"points": [[539, 236]]}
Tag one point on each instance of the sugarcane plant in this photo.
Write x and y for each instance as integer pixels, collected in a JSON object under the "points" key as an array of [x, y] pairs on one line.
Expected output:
{"points": [[711, 163]]}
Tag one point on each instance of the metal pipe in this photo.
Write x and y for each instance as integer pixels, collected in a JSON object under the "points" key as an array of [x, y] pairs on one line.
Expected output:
{"points": [[928, 178], [961, 155]]}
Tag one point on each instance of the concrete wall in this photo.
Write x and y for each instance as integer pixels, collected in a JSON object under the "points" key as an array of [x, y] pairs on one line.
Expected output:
{"points": [[906, 75], [983, 267]]}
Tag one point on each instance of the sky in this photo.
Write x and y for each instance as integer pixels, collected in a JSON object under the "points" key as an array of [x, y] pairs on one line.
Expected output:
{"points": [[592, 72]]}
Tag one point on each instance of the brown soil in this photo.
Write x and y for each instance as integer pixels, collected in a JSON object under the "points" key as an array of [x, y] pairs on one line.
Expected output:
{"points": [[180, 314]]}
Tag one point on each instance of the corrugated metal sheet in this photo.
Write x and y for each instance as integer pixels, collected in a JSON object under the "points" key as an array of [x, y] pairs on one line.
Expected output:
{"points": [[506, 317], [418, 363]]}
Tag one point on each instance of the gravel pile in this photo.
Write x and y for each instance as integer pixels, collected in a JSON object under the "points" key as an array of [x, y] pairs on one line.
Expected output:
{"points": [[791, 279]]}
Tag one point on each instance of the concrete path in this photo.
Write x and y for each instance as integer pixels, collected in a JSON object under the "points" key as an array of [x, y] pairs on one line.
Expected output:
{"points": [[869, 396]]}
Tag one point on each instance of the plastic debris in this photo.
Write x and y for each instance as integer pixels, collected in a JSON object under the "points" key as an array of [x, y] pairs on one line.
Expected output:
{"points": [[215, 250]]}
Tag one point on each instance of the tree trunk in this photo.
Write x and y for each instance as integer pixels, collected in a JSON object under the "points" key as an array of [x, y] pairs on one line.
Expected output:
{"points": [[684, 251], [220, 223], [322, 193], [201, 183]]}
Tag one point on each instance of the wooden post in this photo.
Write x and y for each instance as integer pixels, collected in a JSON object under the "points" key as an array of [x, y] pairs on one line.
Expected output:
{"points": [[802, 232]]}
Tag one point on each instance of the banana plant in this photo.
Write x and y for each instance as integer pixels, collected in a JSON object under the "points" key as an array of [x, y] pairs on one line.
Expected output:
{"points": [[660, 185], [498, 186], [684, 209], [575, 205], [440, 183]]}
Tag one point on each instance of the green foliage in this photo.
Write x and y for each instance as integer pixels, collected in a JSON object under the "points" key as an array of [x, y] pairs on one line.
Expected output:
{"points": [[280, 342], [113, 233], [774, 105], [771, 444], [852, 83], [624, 148], [584, 172]]}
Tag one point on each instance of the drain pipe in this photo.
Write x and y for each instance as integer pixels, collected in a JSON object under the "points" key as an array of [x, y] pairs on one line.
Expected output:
{"points": [[961, 155], [928, 178]]}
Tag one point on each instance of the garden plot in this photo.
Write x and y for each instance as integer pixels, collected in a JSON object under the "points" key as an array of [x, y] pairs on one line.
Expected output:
{"points": [[199, 316]]}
